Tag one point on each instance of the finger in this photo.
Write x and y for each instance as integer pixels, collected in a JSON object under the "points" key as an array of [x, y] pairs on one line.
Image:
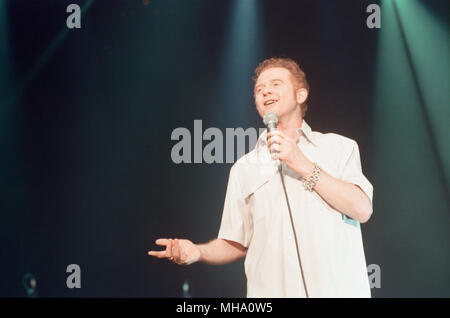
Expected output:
{"points": [[273, 134], [275, 152], [183, 258], [279, 135], [174, 249], [274, 141], [158, 254], [169, 249], [177, 252], [162, 242], [275, 137], [285, 138], [275, 148]]}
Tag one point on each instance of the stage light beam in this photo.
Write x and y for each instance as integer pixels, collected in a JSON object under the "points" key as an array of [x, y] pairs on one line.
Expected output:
{"points": [[243, 50], [410, 196]]}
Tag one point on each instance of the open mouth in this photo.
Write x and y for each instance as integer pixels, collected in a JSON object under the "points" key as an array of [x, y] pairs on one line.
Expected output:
{"points": [[270, 102]]}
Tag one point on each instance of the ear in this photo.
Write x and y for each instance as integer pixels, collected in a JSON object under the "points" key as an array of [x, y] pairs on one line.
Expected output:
{"points": [[302, 95]]}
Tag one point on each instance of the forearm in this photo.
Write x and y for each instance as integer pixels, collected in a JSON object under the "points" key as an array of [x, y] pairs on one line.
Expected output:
{"points": [[220, 252], [343, 196]]}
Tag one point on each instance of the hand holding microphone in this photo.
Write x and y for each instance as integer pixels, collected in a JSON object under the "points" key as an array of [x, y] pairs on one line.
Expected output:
{"points": [[285, 148]]}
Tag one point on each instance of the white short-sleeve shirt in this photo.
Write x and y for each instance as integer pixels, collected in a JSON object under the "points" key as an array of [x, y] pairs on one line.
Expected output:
{"points": [[256, 215]]}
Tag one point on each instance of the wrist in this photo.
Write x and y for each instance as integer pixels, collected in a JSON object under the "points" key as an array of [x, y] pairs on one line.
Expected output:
{"points": [[201, 254], [310, 182], [306, 169]]}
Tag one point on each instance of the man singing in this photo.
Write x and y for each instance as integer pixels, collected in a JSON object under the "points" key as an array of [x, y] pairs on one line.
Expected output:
{"points": [[319, 251]]}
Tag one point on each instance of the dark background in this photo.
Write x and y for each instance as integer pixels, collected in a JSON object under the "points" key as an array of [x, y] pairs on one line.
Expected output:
{"points": [[86, 172]]}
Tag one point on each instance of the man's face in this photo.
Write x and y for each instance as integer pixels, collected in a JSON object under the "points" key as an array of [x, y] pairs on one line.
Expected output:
{"points": [[275, 92]]}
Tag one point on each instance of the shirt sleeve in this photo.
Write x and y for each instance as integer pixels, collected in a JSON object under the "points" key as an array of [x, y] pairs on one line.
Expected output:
{"points": [[352, 171], [236, 224]]}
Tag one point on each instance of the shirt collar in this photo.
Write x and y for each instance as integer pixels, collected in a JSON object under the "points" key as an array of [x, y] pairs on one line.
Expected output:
{"points": [[307, 132], [305, 129]]}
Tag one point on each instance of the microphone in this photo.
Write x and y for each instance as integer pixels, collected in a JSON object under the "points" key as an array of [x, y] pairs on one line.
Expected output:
{"points": [[271, 120]]}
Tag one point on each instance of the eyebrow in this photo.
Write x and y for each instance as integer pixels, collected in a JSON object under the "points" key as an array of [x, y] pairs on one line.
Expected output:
{"points": [[275, 79]]}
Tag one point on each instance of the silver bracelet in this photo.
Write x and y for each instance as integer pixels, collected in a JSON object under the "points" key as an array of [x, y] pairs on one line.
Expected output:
{"points": [[310, 182]]}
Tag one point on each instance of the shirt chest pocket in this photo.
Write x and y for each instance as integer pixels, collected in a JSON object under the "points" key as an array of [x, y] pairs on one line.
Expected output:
{"points": [[259, 199]]}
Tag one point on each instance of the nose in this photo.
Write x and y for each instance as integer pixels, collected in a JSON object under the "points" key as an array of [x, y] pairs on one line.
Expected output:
{"points": [[266, 91]]}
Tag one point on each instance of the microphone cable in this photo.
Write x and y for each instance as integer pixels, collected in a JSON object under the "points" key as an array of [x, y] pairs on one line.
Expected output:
{"points": [[280, 169]]}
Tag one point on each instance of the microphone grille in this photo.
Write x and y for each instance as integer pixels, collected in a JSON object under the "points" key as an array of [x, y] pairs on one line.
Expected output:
{"points": [[270, 118]]}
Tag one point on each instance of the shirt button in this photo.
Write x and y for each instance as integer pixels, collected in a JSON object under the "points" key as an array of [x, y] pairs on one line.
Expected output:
{"points": [[289, 237]]}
